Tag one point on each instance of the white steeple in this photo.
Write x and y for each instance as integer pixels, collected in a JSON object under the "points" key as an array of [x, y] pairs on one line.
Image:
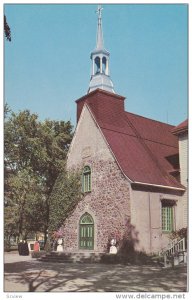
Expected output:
{"points": [[100, 61], [99, 42]]}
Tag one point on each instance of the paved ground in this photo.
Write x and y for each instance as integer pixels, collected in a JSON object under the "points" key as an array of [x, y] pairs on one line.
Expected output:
{"points": [[27, 274]]}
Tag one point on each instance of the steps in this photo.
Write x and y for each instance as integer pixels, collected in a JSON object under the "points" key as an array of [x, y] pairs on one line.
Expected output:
{"points": [[72, 257], [175, 254], [92, 257]]}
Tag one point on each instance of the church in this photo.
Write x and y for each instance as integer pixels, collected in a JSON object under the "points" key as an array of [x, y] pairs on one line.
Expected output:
{"points": [[134, 170]]}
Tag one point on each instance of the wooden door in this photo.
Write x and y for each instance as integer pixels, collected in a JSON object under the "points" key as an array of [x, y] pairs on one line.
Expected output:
{"points": [[86, 232]]}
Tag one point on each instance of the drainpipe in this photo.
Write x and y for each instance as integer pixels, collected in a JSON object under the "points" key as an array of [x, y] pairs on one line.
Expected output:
{"points": [[150, 237]]}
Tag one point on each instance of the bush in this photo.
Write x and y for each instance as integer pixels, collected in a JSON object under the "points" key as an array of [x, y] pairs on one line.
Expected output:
{"points": [[180, 234], [65, 196]]}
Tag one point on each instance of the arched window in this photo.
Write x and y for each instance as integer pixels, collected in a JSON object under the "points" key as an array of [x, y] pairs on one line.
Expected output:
{"points": [[86, 182], [86, 232], [97, 63], [104, 62]]}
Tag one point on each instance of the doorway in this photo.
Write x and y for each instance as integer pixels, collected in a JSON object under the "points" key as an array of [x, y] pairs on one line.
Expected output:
{"points": [[86, 232]]}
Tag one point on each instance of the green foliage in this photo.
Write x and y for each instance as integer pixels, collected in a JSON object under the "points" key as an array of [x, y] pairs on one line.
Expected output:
{"points": [[65, 196], [6, 110], [35, 155], [42, 146], [26, 211], [7, 30], [180, 234]]}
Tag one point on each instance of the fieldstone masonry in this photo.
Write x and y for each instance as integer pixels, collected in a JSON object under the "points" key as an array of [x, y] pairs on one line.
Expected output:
{"points": [[131, 216], [108, 203]]}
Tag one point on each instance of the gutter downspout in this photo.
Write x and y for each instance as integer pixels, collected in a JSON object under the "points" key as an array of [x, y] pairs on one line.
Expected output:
{"points": [[150, 233]]}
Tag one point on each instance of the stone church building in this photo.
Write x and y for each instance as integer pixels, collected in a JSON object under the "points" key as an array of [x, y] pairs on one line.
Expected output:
{"points": [[134, 170]]}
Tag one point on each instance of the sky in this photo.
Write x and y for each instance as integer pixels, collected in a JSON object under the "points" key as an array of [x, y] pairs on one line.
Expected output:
{"points": [[47, 64]]}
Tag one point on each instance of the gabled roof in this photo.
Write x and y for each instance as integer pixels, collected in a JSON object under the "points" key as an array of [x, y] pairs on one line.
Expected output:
{"points": [[181, 128], [140, 145]]}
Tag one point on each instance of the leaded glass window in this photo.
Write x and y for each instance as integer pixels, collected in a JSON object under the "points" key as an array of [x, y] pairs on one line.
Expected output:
{"points": [[86, 182]]}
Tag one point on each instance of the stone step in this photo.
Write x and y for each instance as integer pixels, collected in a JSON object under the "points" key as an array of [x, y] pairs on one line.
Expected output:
{"points": [[90, 257], [45, 259], [71, 257]]}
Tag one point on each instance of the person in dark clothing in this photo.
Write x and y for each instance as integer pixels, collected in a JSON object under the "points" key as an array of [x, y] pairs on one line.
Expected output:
{"points": [[25, 249], [20, 245]]}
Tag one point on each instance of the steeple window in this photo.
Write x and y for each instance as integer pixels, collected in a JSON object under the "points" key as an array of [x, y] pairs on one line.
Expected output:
{"points": [[100, 62], [98, 66], [104, 63]]}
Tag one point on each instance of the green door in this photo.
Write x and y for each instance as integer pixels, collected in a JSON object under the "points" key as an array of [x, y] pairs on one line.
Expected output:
{"points": [[86, 232]]}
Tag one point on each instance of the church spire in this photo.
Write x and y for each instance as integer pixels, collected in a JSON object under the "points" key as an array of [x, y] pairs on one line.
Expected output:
{"points": [[100, 61], [100, 43]]}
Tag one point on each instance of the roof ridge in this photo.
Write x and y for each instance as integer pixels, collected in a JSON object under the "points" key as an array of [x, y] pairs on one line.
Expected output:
{"points": [[127, 112]]}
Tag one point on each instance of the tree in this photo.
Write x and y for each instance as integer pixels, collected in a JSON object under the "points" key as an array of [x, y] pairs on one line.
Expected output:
{"points": [[7, 30], [64, 198], [25, 211], [35, 151]]}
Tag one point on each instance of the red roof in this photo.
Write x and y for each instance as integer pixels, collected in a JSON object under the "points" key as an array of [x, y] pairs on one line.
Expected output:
{"points": [[140, 145], [181, 128]]}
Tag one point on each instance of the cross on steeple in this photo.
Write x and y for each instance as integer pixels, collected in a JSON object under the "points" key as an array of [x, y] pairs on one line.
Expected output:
{"points": [[100, 61], [99, 10], [99, 42]]}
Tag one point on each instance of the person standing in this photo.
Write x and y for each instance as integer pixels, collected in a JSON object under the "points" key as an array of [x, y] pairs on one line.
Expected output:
{"points": [[20, 245], [36, 246], [25, 248]]}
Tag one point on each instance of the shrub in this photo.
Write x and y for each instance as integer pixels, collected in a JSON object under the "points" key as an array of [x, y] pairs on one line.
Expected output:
{"points": [[180, 234]]}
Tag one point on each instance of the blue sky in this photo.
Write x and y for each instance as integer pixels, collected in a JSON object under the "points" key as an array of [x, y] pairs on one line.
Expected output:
{"points": [[47, 65]]}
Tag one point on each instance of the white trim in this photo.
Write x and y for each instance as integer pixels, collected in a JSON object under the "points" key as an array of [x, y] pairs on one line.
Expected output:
{"points": [[158, 185]]}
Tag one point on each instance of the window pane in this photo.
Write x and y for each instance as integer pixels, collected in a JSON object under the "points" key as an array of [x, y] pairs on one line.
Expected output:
{"points": [[167, 218], [87, 179]]}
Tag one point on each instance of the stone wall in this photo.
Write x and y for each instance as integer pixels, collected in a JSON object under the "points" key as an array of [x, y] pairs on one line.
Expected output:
{"points": [[117, 210], [108, 203]]}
